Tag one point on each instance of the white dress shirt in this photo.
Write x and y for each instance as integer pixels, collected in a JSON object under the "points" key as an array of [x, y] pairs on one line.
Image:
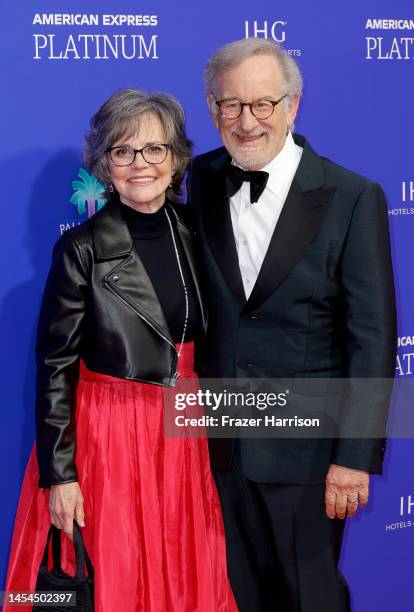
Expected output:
{"points": [[254, 224]]}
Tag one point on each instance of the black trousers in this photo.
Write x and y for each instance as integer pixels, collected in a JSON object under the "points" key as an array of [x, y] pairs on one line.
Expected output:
{"points": [[282, 550]]}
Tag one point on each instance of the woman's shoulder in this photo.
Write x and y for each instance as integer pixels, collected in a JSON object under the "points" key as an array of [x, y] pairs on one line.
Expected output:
{"points": [[76, 236], [71, 248], [82, 234]]}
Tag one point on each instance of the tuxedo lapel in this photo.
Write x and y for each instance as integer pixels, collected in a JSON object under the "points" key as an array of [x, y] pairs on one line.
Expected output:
{"points": [[218, 225], [298, 223]]}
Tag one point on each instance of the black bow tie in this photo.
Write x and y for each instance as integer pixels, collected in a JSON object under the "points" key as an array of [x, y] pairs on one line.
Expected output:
{"points": [[235, 177]]}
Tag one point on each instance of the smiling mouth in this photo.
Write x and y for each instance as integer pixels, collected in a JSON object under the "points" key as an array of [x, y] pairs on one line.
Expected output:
{"points": [[142, 180], [249, 141]]}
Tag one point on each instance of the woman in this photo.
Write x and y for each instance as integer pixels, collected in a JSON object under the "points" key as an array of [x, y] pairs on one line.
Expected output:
{"points": [[120, 312]]}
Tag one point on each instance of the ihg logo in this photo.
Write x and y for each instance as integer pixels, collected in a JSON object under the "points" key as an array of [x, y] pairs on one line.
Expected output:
{"points": [[275, 30], [406, 505], [407, 191]]}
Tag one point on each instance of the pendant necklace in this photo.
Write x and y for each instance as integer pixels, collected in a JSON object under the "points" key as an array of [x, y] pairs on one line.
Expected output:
{"points": [[177, 374]]}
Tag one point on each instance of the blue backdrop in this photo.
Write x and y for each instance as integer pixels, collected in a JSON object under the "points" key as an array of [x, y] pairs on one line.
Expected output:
{"points": [[61, 60]]}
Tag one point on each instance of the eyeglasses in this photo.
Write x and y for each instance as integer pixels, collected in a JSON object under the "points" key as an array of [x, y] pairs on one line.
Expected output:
{"points": [[125, 155], [261, 109]]}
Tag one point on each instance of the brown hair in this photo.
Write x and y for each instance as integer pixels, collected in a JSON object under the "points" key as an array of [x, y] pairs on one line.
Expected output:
{"points": [[120, 117]]}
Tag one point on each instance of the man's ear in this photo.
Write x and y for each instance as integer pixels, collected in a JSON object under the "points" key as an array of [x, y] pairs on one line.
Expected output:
{"points": [[293, 110], [213, 108]]}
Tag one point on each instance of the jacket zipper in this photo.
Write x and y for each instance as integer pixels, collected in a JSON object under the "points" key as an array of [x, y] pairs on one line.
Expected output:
{"points": [[127, 303]]}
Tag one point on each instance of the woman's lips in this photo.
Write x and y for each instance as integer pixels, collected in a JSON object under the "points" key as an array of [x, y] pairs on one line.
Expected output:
{"points": [[142, 180]]}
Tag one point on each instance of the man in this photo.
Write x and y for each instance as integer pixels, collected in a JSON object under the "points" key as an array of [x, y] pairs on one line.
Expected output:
{"points": [[297, 268]]}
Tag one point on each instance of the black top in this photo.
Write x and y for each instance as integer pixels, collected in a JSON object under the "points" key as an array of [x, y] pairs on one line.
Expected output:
{"points": [[152, 239]]}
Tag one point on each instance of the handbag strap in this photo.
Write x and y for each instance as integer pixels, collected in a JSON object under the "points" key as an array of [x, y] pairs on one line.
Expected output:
{"points": [[53, 533], [81, 554]]}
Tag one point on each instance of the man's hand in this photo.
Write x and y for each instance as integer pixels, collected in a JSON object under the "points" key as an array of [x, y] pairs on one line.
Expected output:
{"points": [[346, 489], [65, 504]]}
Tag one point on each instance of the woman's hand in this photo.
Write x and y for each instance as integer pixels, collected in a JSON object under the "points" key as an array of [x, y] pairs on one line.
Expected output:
{"points": [[65, 504]]}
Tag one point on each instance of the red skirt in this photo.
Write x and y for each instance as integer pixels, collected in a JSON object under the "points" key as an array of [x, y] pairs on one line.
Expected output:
{"points": [[153, 524]]}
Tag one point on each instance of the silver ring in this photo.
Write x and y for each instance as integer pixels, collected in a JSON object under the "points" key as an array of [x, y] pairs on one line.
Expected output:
{"points": [[353, 500]]}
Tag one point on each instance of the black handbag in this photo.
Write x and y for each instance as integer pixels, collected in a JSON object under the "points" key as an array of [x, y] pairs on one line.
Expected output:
{"points": [[60, 582]]}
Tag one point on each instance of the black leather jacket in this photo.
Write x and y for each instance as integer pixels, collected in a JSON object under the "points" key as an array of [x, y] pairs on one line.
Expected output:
{"points": [[99, 306]]}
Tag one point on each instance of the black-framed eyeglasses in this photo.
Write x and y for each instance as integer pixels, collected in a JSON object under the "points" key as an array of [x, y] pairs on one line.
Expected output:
{"points": [[124, 155], [232, 108]]}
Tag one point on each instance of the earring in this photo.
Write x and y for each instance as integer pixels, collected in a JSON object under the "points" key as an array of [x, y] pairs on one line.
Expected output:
{"points": [[110, 188]]}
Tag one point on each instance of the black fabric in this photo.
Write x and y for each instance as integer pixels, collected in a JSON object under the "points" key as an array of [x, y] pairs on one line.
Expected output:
{"points": [[235, 177], [152, 239], [323, 305], [282, 550], [57, 580]]}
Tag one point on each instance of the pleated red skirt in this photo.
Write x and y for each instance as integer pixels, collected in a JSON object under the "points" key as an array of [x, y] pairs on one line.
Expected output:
{"points": [[153, 524]]}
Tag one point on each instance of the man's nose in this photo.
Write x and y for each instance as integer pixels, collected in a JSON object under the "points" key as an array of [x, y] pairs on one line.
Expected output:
{"points": [[247, 120]]}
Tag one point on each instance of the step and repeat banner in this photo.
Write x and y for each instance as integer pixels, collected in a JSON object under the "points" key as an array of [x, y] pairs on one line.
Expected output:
{"points": [[61, 60]]}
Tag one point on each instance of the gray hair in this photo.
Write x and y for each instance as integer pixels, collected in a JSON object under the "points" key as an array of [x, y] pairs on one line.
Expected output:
{"points": [[121, 116], [234, 53]]}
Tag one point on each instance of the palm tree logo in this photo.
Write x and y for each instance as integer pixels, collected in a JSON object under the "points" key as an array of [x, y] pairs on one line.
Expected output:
{"points": [[88, 193]]}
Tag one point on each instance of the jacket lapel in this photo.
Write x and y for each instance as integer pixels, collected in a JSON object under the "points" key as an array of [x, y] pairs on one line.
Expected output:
{"points": [[218, 225], [187, 240], [128, 279], [299, 221]]}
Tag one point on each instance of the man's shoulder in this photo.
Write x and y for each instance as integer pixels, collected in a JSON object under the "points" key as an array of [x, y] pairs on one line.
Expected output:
{"points": [[336, 174]]}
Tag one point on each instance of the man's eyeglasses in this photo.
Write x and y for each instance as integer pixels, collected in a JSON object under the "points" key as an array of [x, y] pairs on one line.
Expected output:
{"points": [[261, 109], [125, 155]]}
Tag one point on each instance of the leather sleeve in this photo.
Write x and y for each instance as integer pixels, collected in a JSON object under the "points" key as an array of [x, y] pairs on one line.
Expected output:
{"points": [[57, 355], [370, 323]]}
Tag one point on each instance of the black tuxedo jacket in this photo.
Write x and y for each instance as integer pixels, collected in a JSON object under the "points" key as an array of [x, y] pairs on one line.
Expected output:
{"points": [[323, 305]]}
